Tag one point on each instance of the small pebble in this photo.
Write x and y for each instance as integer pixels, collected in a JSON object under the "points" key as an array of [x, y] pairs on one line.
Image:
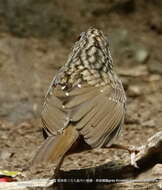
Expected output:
{"points": [[134, 91]]}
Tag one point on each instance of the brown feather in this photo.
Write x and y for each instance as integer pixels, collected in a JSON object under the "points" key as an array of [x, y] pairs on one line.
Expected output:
{"points": [[85, 100], [55, 147]]}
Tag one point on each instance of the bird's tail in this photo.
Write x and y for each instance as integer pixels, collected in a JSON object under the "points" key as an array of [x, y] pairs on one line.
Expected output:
{"points": [[55, 147]]}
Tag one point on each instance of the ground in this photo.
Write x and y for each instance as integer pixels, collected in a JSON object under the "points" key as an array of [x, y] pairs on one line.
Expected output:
{"points": [[31, 52]]}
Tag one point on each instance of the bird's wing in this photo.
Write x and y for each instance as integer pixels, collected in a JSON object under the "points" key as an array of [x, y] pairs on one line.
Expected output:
{"points": [[61, 104], [97, 112], [54, 116]]}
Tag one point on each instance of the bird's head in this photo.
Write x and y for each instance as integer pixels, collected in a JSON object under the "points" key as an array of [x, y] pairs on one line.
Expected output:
{"points": [[92, 50]]}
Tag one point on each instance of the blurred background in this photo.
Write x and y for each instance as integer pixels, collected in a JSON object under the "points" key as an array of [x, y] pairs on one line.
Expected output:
{"points": [[35, 40]]}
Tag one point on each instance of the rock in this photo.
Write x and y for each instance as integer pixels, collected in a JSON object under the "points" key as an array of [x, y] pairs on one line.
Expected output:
{"points": [[134, 91], [154, 77], [5, 155], [155, 67], [149, 123], [141, 55]]}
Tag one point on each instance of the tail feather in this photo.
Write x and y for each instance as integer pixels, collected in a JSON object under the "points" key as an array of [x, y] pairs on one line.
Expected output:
{"points": [[55, 147]]}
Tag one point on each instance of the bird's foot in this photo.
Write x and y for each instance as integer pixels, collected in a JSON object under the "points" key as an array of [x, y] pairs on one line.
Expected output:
{"points": [[131, 149]]}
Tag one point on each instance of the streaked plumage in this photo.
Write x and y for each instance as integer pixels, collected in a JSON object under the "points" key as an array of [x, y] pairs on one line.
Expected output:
{"points": [[85, 103]]}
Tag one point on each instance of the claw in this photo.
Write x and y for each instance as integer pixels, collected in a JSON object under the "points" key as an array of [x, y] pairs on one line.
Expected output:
{"points": [[133, 160], [132, 151]]}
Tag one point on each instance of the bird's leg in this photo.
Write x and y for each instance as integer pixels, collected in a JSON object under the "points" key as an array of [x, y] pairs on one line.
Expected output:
{"points": [[131, 149], [58, 166], [57, 174]]}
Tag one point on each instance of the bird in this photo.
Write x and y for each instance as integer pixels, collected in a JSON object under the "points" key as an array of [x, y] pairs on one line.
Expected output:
{"points": [[85, 104]]}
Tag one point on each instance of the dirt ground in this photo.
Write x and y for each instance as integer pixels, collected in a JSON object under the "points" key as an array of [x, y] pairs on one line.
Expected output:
{"points": [[35, 43]]}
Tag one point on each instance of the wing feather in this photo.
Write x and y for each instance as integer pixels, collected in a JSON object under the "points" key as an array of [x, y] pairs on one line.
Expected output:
{"points": [[100, 116], [96, 112]]}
